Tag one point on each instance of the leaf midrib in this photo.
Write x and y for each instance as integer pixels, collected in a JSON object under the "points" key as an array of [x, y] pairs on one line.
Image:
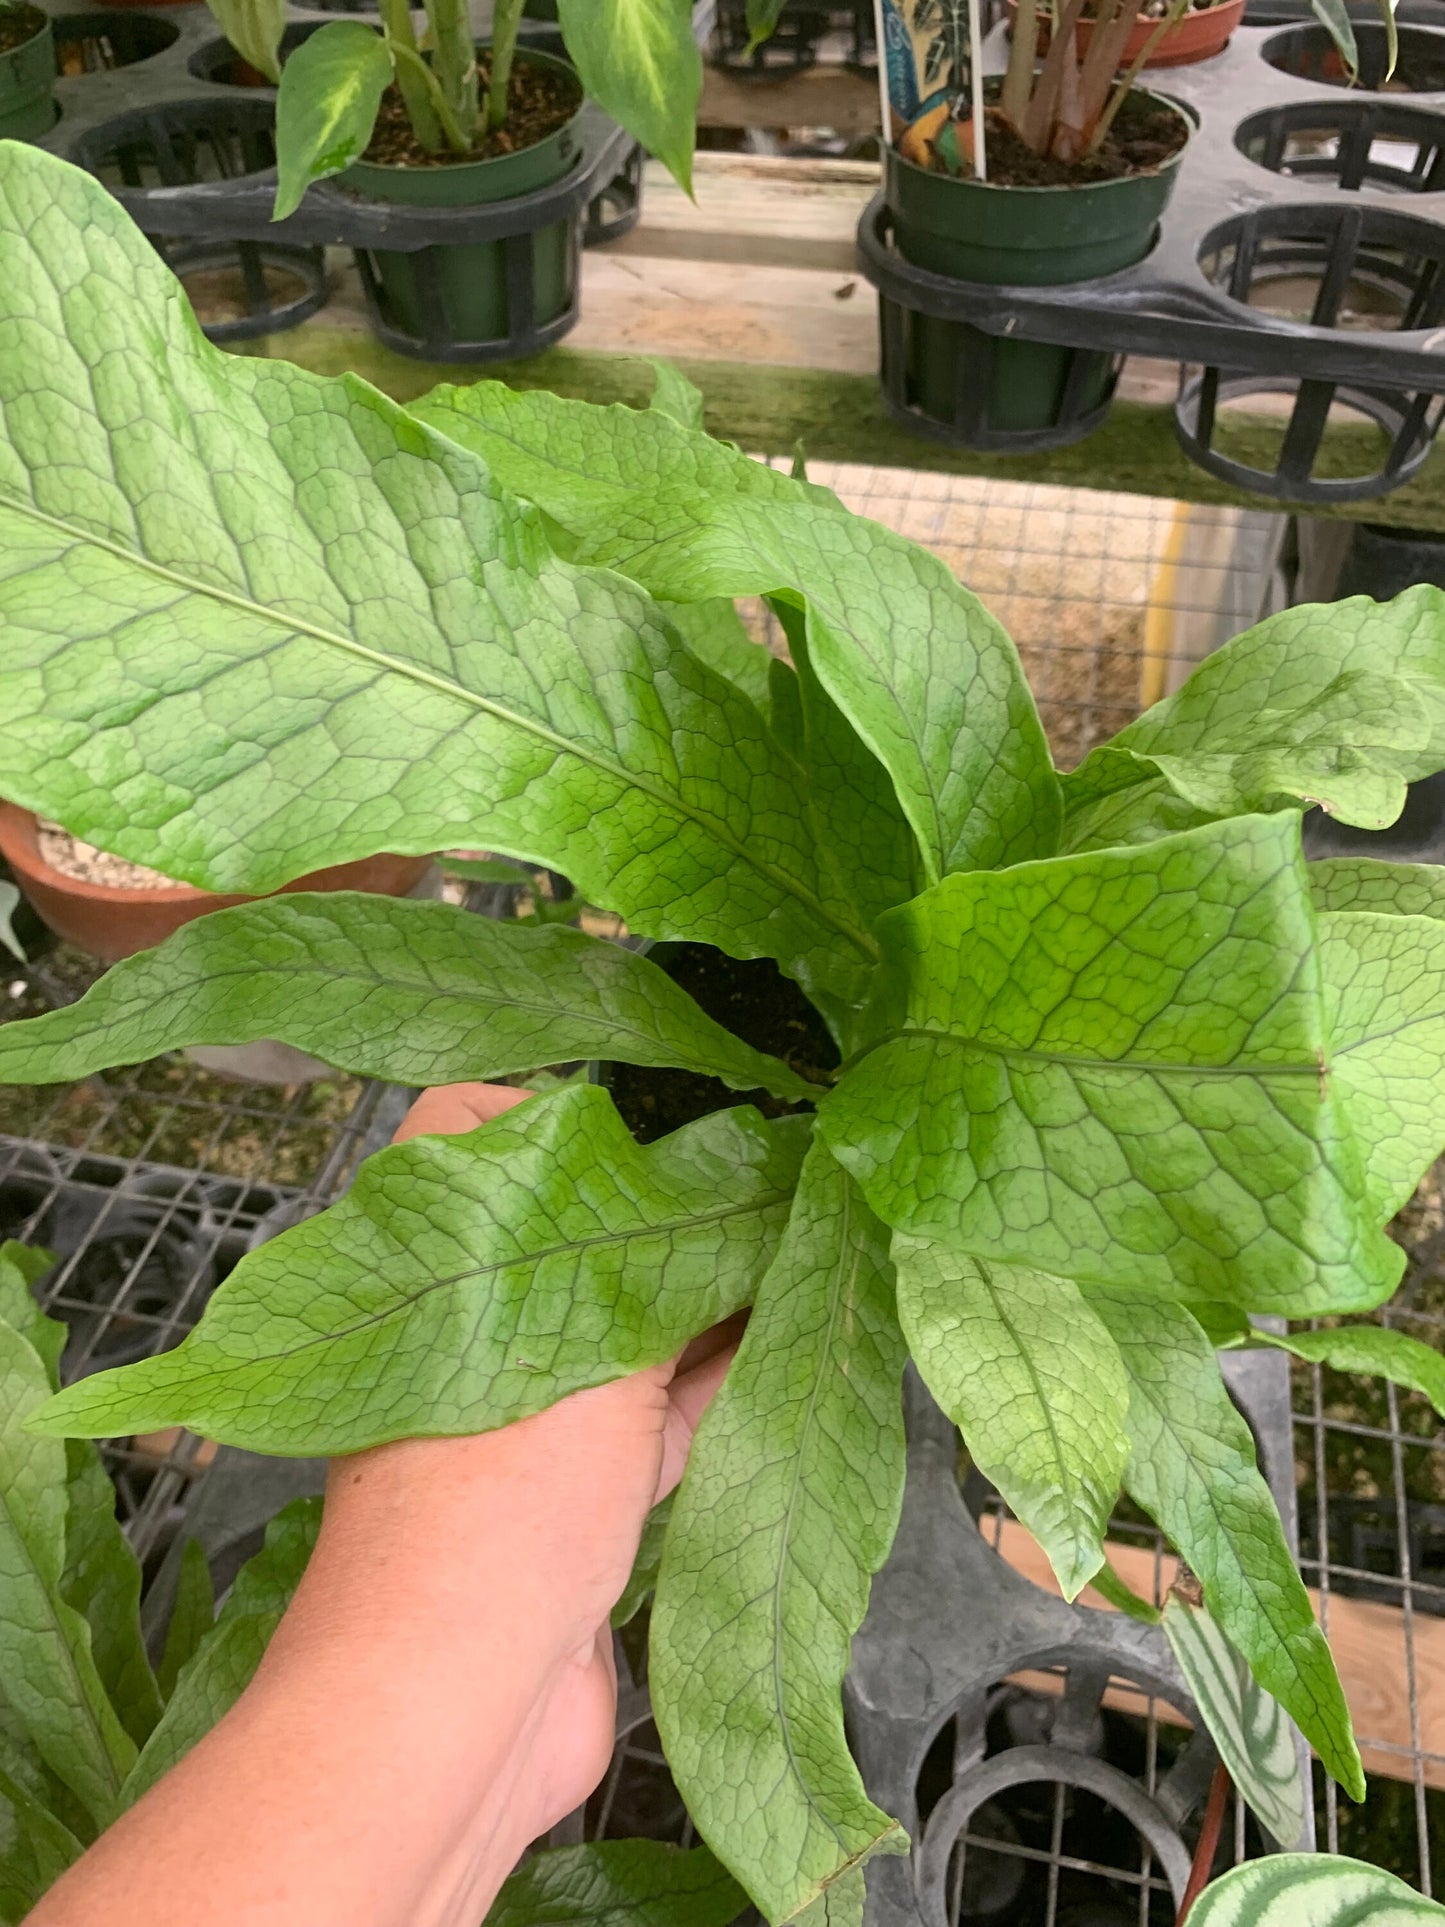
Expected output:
{"points": [[663, 1228], [425, 986], [393, 665]]}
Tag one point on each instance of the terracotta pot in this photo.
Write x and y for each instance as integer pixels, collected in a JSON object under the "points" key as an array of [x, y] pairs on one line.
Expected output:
{"points": [[112, 923], [1198, 36]]}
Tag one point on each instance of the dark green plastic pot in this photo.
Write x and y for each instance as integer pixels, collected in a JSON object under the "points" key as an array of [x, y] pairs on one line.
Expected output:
{"points": [[1026, 237], [27, 78], [474, 276]]}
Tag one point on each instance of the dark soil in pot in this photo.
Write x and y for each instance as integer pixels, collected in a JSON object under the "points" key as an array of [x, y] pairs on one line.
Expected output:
{"points": [[19, 24], [1033, 223], [540, 100], [471, 300], [1145, 134], [753, 1000]]}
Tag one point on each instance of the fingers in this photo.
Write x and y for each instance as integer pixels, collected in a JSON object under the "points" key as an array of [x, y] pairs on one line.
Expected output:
{"points": [[689, 1396], [718, 1338], [451, 1108]]}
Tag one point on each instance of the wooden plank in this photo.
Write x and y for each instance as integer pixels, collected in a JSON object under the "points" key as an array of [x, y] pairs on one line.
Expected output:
{"points": [[840, 417], [758, 209], [824, 96], [1367, 1640]]}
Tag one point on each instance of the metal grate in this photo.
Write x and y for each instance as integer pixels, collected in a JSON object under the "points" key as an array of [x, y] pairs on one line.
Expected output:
{"points": [[150, 1185]]}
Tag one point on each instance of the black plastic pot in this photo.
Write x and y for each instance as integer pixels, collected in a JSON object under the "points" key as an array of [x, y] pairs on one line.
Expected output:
{"points": [[265, 284], [188, 149], [27, 79], [961, 384], [472, 301], [1298, 269], [1383, 562]]}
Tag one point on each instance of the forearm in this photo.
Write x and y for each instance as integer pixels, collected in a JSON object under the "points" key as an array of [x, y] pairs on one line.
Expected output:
{"points": [[377, 1772]]}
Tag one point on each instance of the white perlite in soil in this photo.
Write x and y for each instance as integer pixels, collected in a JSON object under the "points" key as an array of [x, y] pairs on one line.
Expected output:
{"points": [[72, 858]]}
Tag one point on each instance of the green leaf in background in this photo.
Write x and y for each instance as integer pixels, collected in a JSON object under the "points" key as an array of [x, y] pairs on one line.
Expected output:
{"points": [[417, 993], [220, 1669], [1109, 1067], [1339, 707], [923, 673], [1255, 1739], [21, 1268], [1370, 1351], [35, 1849], [193, 1613], [1031, 1377], [619, 1883], [254, 28], [331, 87], [466, 1281], [47, 1670], [9, 904], [763, 17], [1334, 17], [639, 60], [368, 644], [102, 1576], [1192, 1468], [676, 397], [647, 1564], [102, 1581], [1311, 1890], [1384, 982], [788, 1506], [1347, 883]]}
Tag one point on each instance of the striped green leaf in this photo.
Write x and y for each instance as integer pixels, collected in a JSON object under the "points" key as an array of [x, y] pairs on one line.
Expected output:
{"points": [[1249, 1726], [1311, 1890]]}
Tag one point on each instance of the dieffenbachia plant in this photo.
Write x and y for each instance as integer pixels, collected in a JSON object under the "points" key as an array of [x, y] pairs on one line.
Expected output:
{"points": [[638, 59], [1118, 1071]]}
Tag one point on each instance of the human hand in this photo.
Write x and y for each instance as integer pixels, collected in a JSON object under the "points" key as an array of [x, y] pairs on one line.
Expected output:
{"points": [[563, 1495]]}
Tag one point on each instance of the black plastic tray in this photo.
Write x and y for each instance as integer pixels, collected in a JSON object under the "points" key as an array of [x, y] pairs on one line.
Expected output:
{"points": [[1233, 219], [191, 159]]}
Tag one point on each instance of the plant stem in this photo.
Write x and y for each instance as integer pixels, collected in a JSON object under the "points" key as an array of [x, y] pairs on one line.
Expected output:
{"points": [[396, 25], [1203, 1862], [505, 22], [1014, 99], [1113, 24], [454, 61], [1126, 80], [411, 61], [1038, 125]]}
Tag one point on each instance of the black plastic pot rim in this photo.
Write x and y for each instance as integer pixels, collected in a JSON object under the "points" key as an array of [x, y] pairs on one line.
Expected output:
{"points": [[46, 25], [896, 159], [1181, 325]]}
